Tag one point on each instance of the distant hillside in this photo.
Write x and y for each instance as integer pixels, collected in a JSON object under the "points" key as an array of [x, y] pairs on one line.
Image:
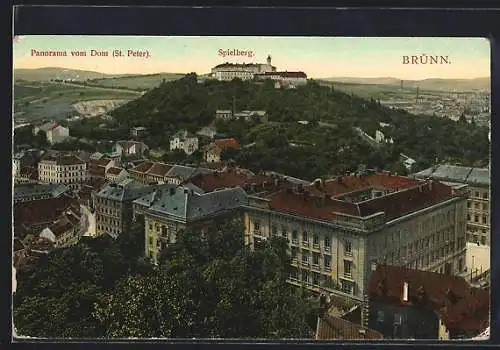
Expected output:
{"points": [[44, 74], [429, 84], [139, 82]]}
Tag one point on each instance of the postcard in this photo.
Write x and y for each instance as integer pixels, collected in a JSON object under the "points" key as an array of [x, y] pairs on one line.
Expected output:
{"points": [[306, 188]]}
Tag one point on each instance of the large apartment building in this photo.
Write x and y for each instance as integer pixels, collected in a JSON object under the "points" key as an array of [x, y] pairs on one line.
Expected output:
{"points": [[67, 169], [339, 229], [170, 209], [113, 206], [478, 203], [243, 71]]}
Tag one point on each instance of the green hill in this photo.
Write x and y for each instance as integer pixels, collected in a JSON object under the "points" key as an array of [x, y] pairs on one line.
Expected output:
{"points": [[185, 104]]}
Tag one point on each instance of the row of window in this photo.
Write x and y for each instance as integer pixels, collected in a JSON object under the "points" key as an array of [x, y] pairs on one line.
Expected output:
{"points": [[483, 219], [476, 239], [319, 280], [62, 167], [485, 194], [478, 206], [108, 229], [107, 220], [306, 237], [62, 175]]}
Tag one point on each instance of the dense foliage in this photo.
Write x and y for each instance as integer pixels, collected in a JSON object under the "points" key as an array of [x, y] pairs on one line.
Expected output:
{"points": [[328, 143], [206, 286]]}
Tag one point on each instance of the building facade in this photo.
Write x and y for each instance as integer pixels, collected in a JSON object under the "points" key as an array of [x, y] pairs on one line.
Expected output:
{"points": [[31, 191], [183, 140], [66, 169], [113, 206], [244, 71], [337, 229], [171, 209], [54, 132], [478, 203], [150, 172]]}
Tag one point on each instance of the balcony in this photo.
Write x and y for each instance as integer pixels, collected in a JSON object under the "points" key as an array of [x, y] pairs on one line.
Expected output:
{"points": [[305, 243], [295, 241], [348, 253], [348, 275], [315, 246], [305, 263], [327, 268]]}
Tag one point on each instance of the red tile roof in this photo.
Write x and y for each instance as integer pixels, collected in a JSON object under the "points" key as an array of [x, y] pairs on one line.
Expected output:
{"points": [[143, 167], [317, 204], [61, 226], [346, 184], [227, 179], [41, 211], [309, 206], [100, 162], [334, 328], [62, 159], [468, 312], [114, 171], [224, 144], [159, 169]]}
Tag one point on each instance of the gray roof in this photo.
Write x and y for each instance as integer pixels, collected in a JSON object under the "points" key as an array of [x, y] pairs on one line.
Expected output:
{"points": [[456, 173], [22, 191], [480, 176], [185, 172], [183, 204], [126, 190], [96, 155]]}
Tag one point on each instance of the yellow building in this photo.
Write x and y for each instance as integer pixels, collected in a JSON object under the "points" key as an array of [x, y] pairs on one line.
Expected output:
{"points": [[338, 229], [171, 209]]}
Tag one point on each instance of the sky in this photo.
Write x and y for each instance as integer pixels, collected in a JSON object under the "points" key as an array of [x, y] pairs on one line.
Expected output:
{"points": [[318, 57]]}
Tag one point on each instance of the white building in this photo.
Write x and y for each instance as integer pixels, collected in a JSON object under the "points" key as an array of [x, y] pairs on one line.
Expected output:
{"points": [[130, 149], [185, 141], [116, 174], [285, 79], [244, 71], [65, 169], [53, 132]]}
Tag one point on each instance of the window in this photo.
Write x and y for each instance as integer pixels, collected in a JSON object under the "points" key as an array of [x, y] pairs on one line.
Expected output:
{"points": [[295, 252], [315, 239], [274, 230], [327, 261], [476, 205], [315, 278], [327, 243], [468, 204], [295, 236], [347, 287], [305, 256], [305, 276], [485, 195], [315, 259], [483, 240], [398, 319], [484, 219], [485, 206], [284, 232], [305, 237], [256, 226], [476, 218], [380, 316], [347, 268], [348, 248], [477, 194]]}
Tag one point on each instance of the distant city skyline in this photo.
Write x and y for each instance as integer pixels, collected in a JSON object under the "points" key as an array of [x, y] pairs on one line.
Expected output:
{"points": [[318, 57]]}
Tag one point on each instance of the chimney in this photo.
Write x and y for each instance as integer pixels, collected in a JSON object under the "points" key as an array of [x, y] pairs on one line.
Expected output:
{"points": [[405, 292]]}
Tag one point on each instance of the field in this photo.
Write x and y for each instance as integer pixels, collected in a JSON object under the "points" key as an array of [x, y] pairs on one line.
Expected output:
{"points": [[48, 100], [137, 82]]}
